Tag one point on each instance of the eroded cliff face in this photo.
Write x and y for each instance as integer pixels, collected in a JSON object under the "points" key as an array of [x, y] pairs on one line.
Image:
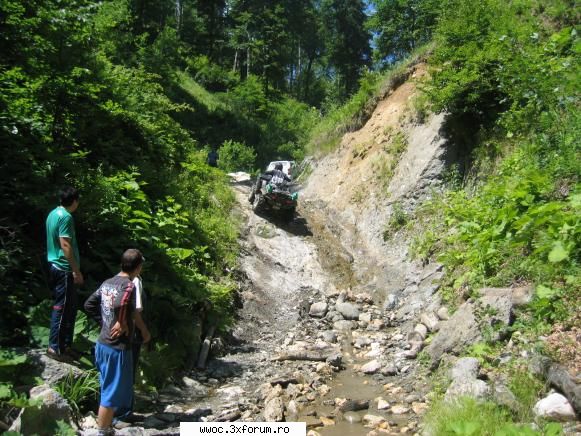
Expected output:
{"points": [[393, 162]]}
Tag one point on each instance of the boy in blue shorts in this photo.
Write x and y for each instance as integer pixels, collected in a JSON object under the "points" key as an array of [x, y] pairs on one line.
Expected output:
{"points": [[113, 306]]}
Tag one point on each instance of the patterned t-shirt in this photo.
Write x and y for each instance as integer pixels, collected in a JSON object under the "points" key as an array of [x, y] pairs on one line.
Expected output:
{"points": [[113, 301]]}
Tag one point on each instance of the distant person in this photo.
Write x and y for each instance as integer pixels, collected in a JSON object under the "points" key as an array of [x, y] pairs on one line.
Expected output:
{"points": [[113, 305], [64, 274], [213, 158], [275, 177]]}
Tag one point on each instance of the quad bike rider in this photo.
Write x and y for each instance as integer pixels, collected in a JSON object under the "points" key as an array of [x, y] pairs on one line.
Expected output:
{"points": [[274, 177], [275, 196]]}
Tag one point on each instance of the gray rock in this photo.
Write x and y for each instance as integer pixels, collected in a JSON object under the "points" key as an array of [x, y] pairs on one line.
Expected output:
{"points": [[422, 330], [464, 381], [518, 296], [42, 419], [195, 388], [503, 396], [292, 409], [365, 317], [477, 389], [152, 421], [343, 325], [443, 313], [318, 310], [555, 407], [490, 313], [465, 368], [390, 302], [371, 367], [348, 310], [135, 431], [231, 393], [560, 378], [274, 410], [430, 320], [362, 341], [329, 336], [389, 370], [335, 360]]}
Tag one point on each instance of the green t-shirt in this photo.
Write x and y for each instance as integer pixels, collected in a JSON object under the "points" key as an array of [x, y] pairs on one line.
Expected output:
{"points": [[59, 223]]}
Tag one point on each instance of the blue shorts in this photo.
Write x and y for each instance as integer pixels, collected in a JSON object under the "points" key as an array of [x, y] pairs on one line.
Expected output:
{"points": [[116, 376]]}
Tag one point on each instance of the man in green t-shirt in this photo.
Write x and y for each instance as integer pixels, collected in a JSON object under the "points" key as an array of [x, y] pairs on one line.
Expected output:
{"points": [[64, 275]]}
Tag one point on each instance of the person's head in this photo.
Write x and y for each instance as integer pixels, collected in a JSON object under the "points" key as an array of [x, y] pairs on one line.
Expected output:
{"points": [[69, 197], [132, 261], [278, 166]]}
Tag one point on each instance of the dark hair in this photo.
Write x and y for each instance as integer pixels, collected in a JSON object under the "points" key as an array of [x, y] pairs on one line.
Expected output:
{"points": [[68, 196], [278, 166], [131, 260]]}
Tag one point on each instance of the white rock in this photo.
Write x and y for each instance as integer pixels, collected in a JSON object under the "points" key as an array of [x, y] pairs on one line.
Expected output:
{"points": [[382, 404], [371, 367], [555, 407], [399, 409], [373, 420]]}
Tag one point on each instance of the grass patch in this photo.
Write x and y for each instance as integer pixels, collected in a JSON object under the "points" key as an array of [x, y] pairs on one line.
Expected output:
{"points": [[212, 101], [468, 417], [397, 220], [81, 392]]}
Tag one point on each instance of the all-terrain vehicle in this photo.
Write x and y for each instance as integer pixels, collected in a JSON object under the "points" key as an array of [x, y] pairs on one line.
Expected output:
{"points": [[277, 200]]}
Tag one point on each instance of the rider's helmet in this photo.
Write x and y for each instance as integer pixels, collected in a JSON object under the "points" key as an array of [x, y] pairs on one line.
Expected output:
{"points": [[278, 166]]}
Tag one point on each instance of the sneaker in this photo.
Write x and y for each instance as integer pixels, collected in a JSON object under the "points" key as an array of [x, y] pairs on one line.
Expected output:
{"points": [[58, 356]]}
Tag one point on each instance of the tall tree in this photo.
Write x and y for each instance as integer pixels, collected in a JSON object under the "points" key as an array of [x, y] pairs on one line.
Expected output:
{"points": [[400, 26], [346, 41]]}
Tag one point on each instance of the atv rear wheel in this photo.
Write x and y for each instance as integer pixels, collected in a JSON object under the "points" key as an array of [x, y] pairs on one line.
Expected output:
{"points": [[258, 203]]}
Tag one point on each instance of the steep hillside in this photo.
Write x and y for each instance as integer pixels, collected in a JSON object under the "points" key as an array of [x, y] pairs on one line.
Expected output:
{"points": [[390, 164]]}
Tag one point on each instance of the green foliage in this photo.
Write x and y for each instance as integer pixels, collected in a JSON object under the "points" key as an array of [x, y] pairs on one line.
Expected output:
{"points": [[467, 416], [13, 369], [64, 429], [235, 156], [400, 26], [527, 389], [397, 220], [80, 391]]}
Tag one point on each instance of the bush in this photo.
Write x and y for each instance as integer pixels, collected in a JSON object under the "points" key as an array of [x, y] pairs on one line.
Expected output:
{"points": [[235, 156]]}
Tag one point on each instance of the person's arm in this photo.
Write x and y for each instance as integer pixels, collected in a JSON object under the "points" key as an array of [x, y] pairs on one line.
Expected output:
{"points": [[67, 248], [93, 307], [140, 324]]}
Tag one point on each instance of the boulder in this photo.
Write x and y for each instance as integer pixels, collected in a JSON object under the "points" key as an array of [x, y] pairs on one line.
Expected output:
{"points": [[430, 320], [464, 381], [348, 310], [365, 317], [42, 419], [274, 410], [421, 330], [399, 409], [318, 310], [490, 313], [555, 407]]}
